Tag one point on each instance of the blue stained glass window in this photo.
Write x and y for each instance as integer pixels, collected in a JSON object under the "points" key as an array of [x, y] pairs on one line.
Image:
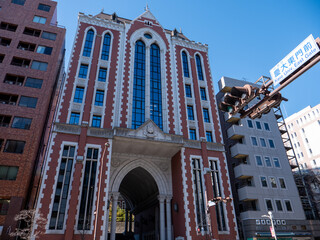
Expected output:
{"points": [[185, 64], [155, 86], [102, 75], [188, 90], [88, 44], [106, 47], [138, 108], [199, 68], [99, 98]]}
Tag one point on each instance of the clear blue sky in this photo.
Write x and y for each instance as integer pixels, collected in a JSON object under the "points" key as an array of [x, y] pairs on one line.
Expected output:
{"points": [[246, 38]]}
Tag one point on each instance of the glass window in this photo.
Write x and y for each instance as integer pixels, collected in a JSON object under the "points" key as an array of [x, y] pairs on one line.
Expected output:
{"points": [[203, 94], [38, 19], [258, 124], [42, 66], [14, 79], [259, 161], [44, 50], [267, 161], [190, 112], [266, 126], [279, 205], [188, 91], [206, 116], [273, 182], [209, 136], [88, 44], [19, 2], [199, 68], [288, 205], [4, 206], [254, 141], [21, 123], [5, 120], [78, 95], [29, 102], [185, 64], [216, 184], [83, 71], [269, 205], [102, 77], [33, 82], [44, 7], [199, 194], [88, 190], [48, 35], [263, 142], [192, 133], [96, 121], [8, 172], [138, 108], [106, 47], [8, 26], [155, 86], [14, 146], [264, 182], [282, 183], [62, 189], [276, 162], [147, 35], [99, 98], [250, 124], [271, 143], [74, 118]]}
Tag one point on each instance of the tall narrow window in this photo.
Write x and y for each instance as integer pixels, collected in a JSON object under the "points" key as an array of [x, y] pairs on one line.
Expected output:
{"points": [[102, 77], [78, 95], [74, 118], [83, 71], [190, 112], [203, 94], [88, 44], [96, 121], [62, 189], [185, 64], [209, 136], [155, 86], [99, 98], [138, 108], [206, 116], [87, 196], [188, 91], [220, 212], [106, 47], [199, 68], [193, 134], [199, 195]]}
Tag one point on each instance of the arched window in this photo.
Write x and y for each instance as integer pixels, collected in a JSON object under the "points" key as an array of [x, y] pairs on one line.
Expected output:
{"points": [[185, 64], [155, 86], [88, 44], [199, 68], [138, 107], [106, 47]]}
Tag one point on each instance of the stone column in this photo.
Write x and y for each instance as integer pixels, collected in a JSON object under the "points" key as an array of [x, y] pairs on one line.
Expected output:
{"points": [[115, 196], [168, 207], [130, 222], [126, 223], [162, 214]]}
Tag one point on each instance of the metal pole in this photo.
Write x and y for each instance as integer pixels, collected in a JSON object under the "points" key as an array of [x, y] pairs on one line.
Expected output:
{"points": [[274, 230]]}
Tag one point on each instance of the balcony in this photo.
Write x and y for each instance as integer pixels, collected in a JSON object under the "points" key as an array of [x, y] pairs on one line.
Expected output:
{"points": [[239, 151], [235, 132], [232, 118], [242, 171], [247, 193]]}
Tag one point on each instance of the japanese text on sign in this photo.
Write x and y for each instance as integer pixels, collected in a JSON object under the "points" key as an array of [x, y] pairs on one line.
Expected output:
{"points": [[295, 59]]}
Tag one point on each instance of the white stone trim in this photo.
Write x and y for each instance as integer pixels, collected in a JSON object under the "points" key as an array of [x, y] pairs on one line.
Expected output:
{"points": [[185, 194], [91, 20], [190, 44]]}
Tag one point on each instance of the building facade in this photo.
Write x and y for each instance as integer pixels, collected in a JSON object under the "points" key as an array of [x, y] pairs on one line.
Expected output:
{"points": [[31, 58], [137, 121], [261, 173]]}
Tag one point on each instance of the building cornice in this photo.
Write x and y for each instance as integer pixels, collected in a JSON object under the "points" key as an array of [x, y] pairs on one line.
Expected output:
{"points": [[96, 21]]}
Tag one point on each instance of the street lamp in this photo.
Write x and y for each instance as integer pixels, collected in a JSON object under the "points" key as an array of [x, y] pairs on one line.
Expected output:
{"points": [[273, 231]]}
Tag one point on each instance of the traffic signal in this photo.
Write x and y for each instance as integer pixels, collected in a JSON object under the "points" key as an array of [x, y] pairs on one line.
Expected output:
{"points": [[266, 105], [238, 97]]}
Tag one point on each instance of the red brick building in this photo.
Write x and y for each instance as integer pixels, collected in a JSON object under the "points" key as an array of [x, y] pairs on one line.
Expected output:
{"points": [[31, 59], [137, 119]]}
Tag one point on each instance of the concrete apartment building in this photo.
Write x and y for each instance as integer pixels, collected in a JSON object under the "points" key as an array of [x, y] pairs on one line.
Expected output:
{"points": [[137, 120], [261, 175], [304, 131], [31, 57]]}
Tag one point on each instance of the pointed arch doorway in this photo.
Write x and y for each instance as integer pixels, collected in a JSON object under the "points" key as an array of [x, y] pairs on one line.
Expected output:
{"points": [[148, 203]]}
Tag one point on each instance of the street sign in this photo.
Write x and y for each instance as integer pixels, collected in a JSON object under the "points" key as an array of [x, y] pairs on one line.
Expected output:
{"points": [[294, 60]]}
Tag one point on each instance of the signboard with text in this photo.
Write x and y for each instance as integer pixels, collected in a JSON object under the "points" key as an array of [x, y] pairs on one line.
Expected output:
{"points": [[295, 59]]}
